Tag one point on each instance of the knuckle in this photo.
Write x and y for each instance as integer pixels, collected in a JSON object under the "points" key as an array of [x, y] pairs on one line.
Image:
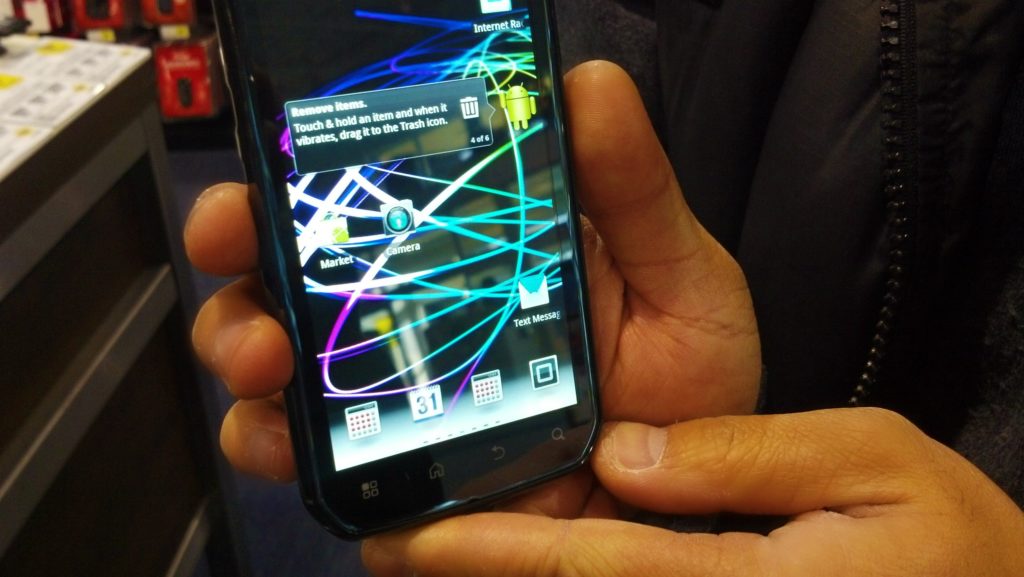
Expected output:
{"points": [[888, 420], [904, 441]]}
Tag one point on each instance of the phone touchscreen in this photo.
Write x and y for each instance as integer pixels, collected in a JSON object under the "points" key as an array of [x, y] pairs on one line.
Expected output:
{"points": [[418, 144]]}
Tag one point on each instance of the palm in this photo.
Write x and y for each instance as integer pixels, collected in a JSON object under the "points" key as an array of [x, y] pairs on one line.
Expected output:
{"points": [[694, 355]]}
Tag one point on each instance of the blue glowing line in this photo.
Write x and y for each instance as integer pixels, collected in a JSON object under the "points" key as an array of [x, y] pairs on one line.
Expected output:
{"points": [[469, 186], [453, 266], [385, 339], [510, 308], [416, 20]]}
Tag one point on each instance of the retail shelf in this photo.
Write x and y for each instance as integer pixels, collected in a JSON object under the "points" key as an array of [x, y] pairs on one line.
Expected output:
{"points": [[29, 243], [37, 454]]}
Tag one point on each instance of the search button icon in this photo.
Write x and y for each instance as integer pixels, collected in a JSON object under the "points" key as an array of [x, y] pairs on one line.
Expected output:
{"points": [[557, 435]]}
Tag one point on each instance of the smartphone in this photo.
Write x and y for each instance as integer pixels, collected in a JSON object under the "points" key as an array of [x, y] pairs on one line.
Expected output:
{"points": [[419, 234]]}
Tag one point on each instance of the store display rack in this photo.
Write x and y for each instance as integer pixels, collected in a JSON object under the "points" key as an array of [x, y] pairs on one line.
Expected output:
{"points": [[107, 458]]}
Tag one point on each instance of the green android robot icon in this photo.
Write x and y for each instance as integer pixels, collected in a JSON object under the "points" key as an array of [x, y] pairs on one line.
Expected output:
{"points": [[519, 105]]}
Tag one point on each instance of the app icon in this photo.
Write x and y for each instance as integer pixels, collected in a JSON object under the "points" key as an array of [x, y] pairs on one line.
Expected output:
{"points": [[487, 388], [533, 292], [363, 421], [495, 6], [398, 218], [332, 230], [519, 105], [426, 403], [544, 372]]}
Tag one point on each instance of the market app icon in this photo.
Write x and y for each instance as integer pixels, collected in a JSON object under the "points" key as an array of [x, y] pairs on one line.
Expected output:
{"points": [[333, 230]]}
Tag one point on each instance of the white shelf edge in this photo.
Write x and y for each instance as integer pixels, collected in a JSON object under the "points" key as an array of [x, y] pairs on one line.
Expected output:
{"points": [[193, 543], [42, 231]]}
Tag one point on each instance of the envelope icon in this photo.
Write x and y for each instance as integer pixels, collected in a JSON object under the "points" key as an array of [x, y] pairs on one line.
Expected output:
{"points": [[533, 292]]}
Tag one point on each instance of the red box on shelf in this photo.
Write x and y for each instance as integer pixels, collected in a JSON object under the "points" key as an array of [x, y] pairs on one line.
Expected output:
{"points": [[189, 78], [168, 11], [110, 14]]}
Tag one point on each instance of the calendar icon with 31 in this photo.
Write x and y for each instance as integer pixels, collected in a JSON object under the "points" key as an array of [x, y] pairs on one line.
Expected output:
{"points": [[426, 403]]}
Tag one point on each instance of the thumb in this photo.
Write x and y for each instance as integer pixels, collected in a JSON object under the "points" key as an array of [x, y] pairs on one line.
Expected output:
{"points": [[765, 465]]}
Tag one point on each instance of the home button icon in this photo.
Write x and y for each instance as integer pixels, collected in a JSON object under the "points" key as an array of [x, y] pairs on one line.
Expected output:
{"points": [[436, 472]]}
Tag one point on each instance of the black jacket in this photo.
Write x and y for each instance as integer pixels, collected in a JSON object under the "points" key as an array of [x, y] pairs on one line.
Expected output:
{"points": [[844, 151]]}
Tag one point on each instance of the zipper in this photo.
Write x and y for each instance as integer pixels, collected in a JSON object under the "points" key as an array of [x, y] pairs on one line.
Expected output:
{"points": [[899, 125]]}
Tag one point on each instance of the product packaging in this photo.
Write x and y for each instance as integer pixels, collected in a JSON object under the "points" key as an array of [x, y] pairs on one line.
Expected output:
{"points": [[104, 20], [189, 78]]}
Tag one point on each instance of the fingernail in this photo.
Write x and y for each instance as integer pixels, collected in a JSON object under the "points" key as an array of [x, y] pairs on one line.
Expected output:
{"points": [[207, 195], [262, 446], [638, 447]]}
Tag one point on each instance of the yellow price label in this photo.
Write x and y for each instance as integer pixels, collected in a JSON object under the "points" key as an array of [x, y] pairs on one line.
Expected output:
{"points": [[54, 47], [175, 32], [107, 35], [7, 81]]}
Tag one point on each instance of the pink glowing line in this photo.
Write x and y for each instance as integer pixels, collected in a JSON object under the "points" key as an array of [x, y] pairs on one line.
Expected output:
{"points": [[286, 143], [336, 332], [465, 381]]}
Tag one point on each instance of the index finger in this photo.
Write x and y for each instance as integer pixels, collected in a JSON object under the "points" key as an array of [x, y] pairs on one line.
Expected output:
{"points": [[220, 235]]}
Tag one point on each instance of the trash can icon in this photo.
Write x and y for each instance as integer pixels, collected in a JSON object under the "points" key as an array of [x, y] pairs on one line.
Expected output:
{"points": [[470, 107]]}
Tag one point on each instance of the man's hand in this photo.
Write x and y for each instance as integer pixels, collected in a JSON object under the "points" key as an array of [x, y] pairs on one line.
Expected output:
{"points": [[870, 496], [674, 327]]}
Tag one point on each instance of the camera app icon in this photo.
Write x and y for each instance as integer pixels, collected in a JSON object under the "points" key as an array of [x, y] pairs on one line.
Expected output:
{"points": [[399, 218]]}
